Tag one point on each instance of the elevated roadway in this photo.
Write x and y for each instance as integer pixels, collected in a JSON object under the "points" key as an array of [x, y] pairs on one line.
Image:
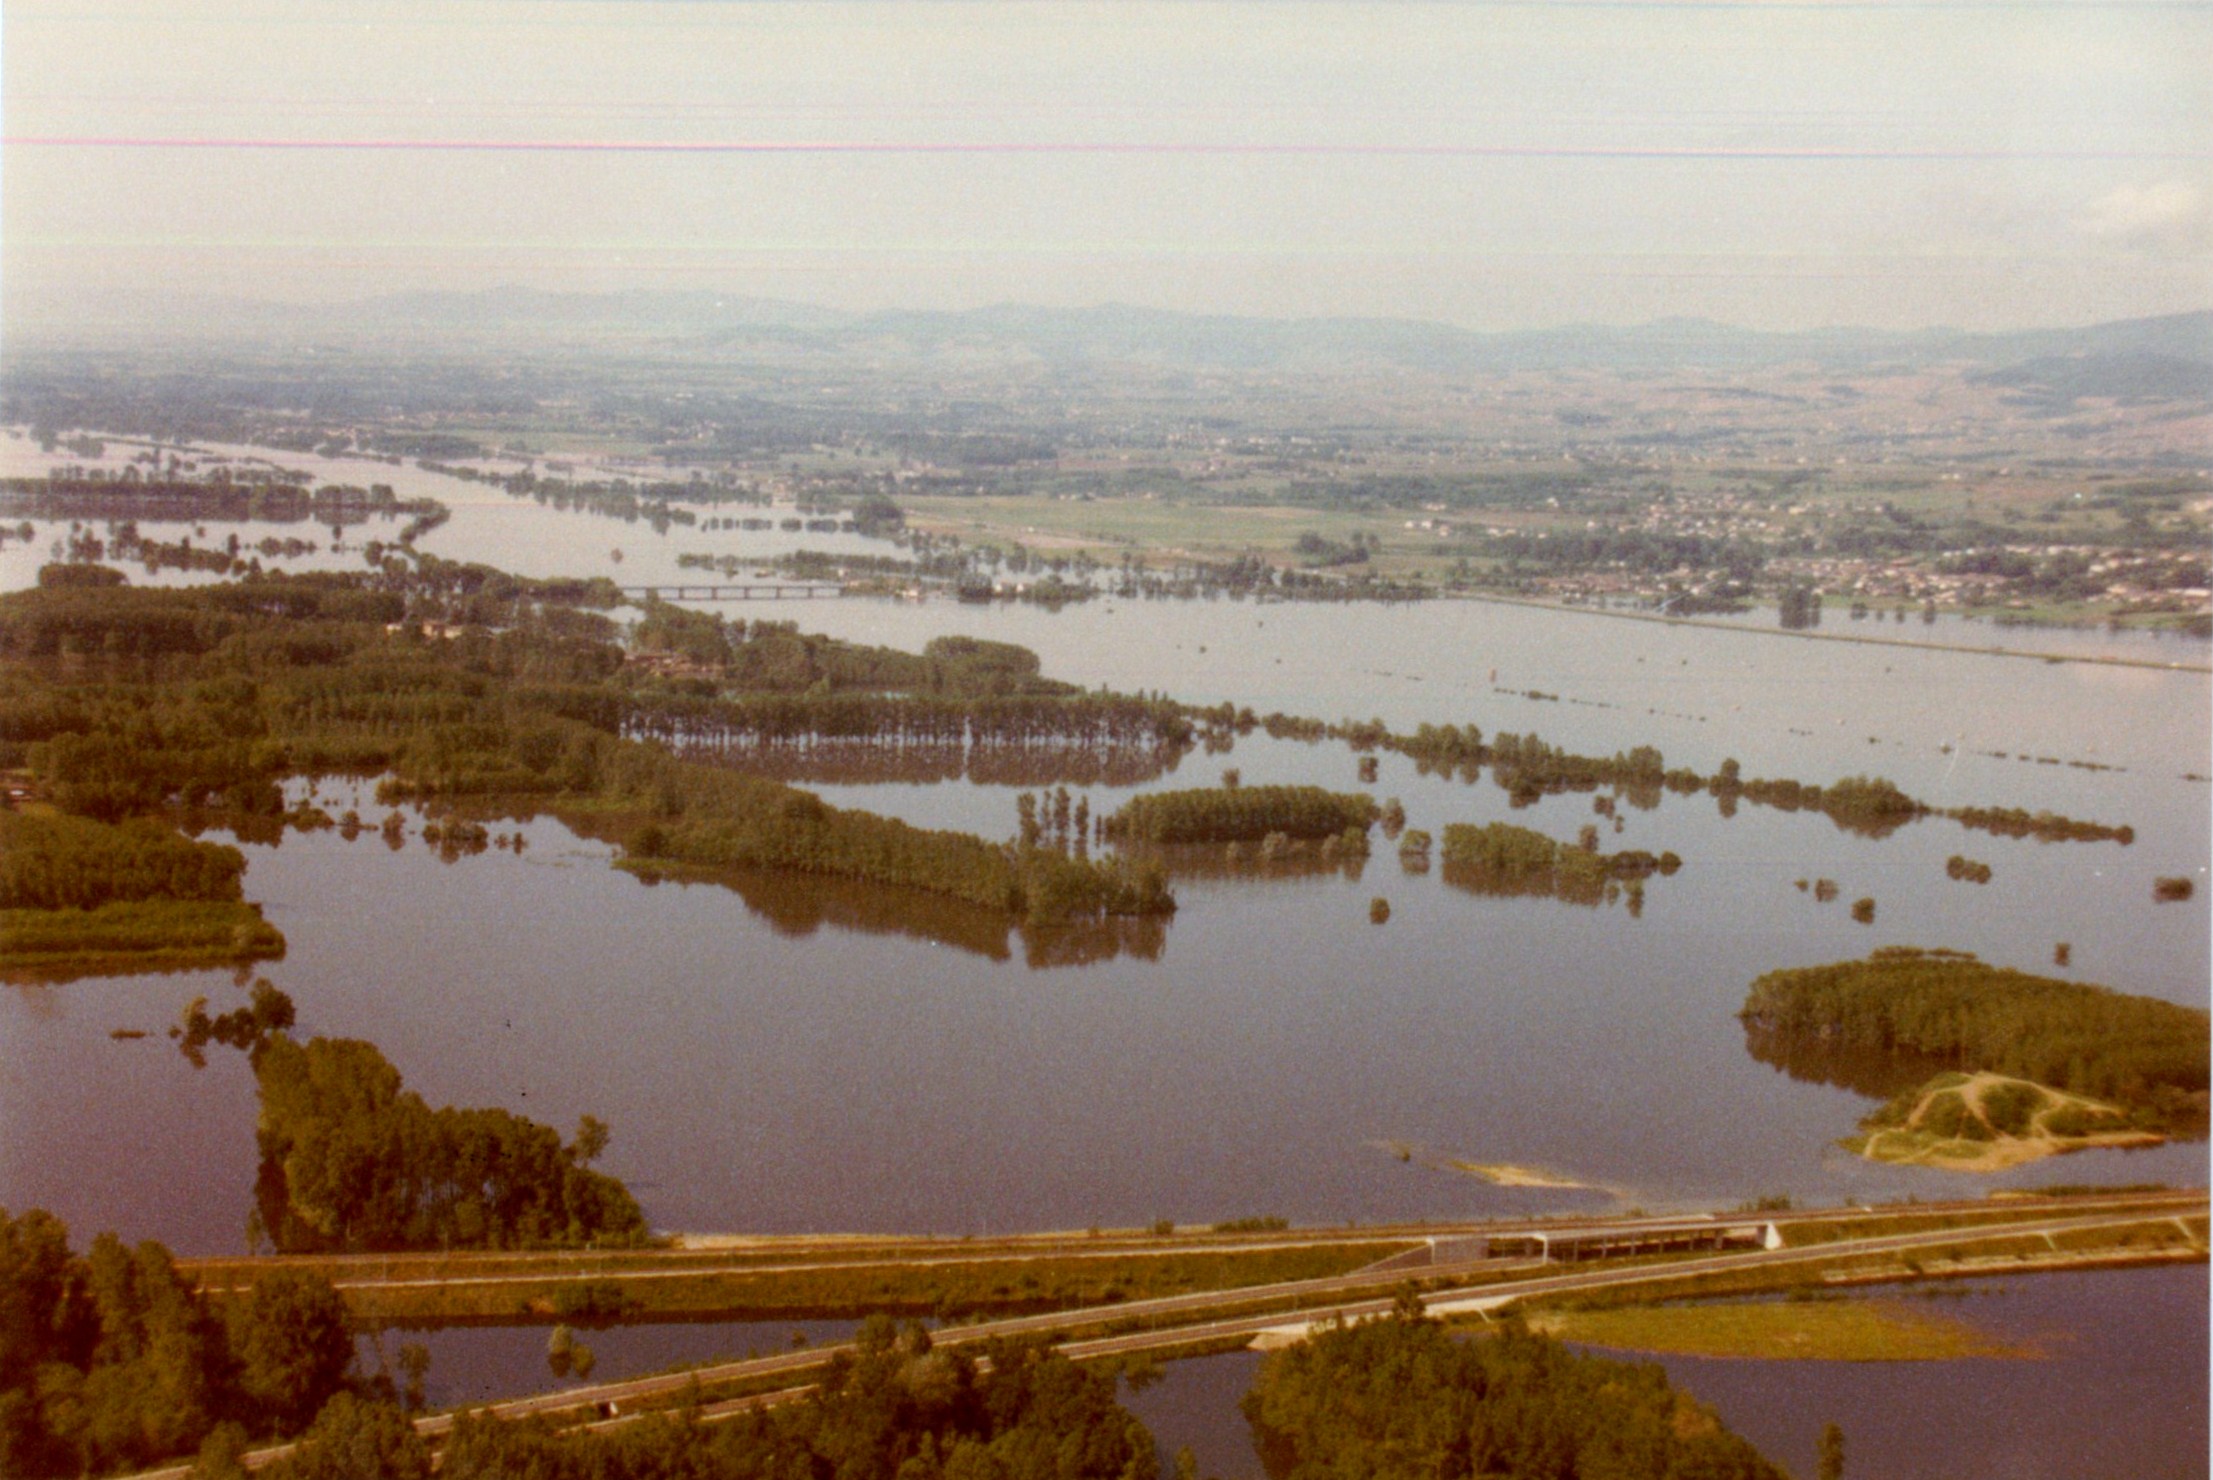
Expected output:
{"points": [[1291, 1310]]}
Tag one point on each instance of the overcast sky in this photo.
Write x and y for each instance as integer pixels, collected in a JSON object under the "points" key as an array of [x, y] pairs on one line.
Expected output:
{"points": [[1493, 165]]}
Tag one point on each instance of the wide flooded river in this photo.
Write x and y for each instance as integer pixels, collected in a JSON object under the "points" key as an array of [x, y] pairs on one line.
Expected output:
{"points": [[799, 1056]]}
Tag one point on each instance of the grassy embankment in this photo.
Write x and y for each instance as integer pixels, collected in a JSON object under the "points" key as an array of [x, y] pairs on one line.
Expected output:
{"points": [[80, 897], [134, 936], [1829, 1330], [940, 1283]]}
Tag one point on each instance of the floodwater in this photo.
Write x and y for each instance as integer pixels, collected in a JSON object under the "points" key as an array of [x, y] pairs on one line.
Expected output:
{"points": [[472, 1365], [797, 1056], [794, 1055], [491, 527], [2118, 1390], [801, 1057]]}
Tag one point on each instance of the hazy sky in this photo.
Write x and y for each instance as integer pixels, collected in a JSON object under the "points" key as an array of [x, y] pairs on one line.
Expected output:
{"points": [[1494, 165]]}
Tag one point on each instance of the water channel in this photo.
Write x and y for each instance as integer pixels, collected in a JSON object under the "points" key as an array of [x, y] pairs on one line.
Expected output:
{"points": [[2116, 1386]]}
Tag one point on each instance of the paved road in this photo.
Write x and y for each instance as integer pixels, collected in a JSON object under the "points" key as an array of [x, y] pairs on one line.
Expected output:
{"points": [[848, 1252], [1285, 1297], [1448, 1303], [1301, 1304]]}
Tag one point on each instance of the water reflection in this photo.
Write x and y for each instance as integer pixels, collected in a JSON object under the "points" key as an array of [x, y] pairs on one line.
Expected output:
{"points": [[1568, 888], [1090, 942], [1251, 863], [1816, 1060], [799, 905], [868, 762]]}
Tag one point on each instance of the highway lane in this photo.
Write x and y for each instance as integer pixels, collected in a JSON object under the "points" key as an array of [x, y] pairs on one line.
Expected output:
{"points": [[1285, 1296], [1445, 1304], [912, 1253], [2108, 1213], [2135, 1211]]}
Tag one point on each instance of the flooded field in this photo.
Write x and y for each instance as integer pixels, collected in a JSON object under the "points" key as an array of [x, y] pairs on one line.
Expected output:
{"points": [[794, 1055]]}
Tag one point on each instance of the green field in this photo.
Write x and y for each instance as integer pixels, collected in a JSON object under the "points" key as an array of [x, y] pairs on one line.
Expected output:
{"points": [[1777, 1330]]}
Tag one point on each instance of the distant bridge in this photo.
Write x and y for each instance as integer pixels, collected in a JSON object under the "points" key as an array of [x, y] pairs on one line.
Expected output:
{"points": [[749, 591]]}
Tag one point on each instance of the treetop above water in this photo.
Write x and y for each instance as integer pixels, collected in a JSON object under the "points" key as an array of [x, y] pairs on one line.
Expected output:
{"points": [[2145, 1055]]}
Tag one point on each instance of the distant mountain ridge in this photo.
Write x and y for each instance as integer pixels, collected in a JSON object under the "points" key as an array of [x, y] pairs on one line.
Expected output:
{"points": [[701, 322]]}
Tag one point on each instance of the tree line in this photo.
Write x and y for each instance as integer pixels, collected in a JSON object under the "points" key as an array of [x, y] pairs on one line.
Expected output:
{"points": [[1529, 768], [1386, 1398], [1500, 858], [1240, 814], [465, 684], [79, 896], [224, 498], [111, 1360], [896, 1407], [63, 862]]}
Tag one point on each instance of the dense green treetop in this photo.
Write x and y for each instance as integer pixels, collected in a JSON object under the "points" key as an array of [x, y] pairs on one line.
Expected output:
{"points": [[1241, 814], [2146, 1055], [60, 862], [1403, 1397], [111, 1360], [351, 1160], [1500, 858]]}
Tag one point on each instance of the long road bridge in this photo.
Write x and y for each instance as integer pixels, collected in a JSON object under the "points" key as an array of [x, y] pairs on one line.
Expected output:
{"points": [[735, 591]]}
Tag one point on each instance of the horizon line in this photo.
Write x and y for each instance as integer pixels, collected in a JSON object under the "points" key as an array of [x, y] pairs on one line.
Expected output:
{"points": [[1068, 147]]}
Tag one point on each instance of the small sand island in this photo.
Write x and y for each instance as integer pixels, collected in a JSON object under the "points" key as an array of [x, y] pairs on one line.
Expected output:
{"points": [[1497, 1173], [1507, 1174], [1987, 1122]]}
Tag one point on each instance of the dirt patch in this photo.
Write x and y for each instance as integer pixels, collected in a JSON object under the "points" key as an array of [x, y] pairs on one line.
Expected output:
{"points": [[1986, 1122]]}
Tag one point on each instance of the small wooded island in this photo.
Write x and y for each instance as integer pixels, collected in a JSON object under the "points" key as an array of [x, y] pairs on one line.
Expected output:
{"points": [[2038, 1065]]}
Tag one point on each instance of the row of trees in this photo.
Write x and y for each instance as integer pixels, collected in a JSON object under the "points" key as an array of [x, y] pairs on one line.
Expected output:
{"points": [[1943, 1007], [1240, 814], [1388, 1398], [1500, 858], [131, 497], [134, 935], [138, 701], [708, 829], [2045, 827], [79, 896], [1529, 767], [768, 657], [1103, 727], [62, 862], [111, 1360]]}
